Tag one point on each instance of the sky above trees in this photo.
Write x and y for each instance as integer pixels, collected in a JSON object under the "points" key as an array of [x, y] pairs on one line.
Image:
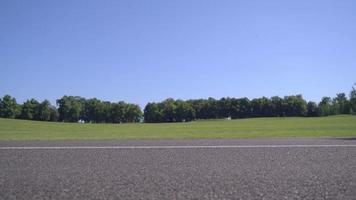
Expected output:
{"points": [[145, 51]]}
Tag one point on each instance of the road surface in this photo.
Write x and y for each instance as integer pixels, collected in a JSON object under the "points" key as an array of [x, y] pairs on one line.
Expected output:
{"points": [[183, 169]]}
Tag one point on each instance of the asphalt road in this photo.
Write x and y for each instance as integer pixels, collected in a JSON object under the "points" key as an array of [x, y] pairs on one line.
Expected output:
{"points": [[185, 169]]}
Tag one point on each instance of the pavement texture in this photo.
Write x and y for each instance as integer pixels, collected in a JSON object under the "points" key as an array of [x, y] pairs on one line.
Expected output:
{"points": [[314, 172]]}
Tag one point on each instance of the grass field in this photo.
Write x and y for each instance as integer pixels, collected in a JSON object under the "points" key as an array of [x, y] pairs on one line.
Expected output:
{"points": [[334, 126]]}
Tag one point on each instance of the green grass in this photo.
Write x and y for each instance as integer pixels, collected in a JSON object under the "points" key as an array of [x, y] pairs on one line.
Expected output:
{"points": [[334, 126]]}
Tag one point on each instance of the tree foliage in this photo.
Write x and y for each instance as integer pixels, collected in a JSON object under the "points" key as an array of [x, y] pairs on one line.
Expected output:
{"points": [[8, 107], [33, 110], [29, 109], [313, 109], [325, 106], [72, 109], [75, 108], [169, 110], [353, 100]]}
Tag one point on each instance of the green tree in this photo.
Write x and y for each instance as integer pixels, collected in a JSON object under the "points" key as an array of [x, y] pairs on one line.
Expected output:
{"points": [[277, 105], [54, 114], [8, 107], [118, 112], [234, 109], [353, 100], [209, 109], [105, 112], [245, 107], [153, 113], [70, 108], [183, 111], [29, 109], [313, 110], [261, 107], [224, 107], [168, 109], [92, 110], [132, 113], [197, 105], [325, 106], [343, 102], [43, 111], [240, 108], [295, 106]]}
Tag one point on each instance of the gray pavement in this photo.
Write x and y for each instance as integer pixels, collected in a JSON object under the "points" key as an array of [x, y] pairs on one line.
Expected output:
{"points": [[326, 169]]}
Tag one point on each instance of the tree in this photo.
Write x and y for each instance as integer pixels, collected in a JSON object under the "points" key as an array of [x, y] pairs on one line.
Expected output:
{"points": [[152, 113], [183, 112], [340, 104], [92, 110], [29, 109], [132, 113], [53, 114], [325, 106], [43, 111], [353, 100], [240, 108], [277, 105], [261, 107], [197, 105], [8, 107], [234, 109], [295, 106], [313, 110], [104, 113], [70, 108], [118, 112], [168, 109], [224, 107], [245, 107], [209, 109], [18, 111]]}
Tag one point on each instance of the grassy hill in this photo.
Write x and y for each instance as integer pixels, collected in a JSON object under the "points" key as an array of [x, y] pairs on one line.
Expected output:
{"points": [[333, 126]]}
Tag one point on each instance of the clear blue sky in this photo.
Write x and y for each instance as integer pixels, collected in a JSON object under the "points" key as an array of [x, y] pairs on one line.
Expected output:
{"points": [[142, 51]]}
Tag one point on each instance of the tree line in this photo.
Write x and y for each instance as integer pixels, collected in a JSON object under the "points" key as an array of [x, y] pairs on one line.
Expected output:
{"points": [[71, 109], [74, 109], [171, 110]]}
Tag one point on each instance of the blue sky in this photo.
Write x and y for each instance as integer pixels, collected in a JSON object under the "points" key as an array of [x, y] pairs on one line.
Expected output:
{"points": [[143, 51]]}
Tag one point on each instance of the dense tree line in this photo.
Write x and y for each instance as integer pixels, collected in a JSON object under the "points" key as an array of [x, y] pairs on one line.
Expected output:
{"points": [[176, 111], [74, 109], [171, 110], [34, 110], [71, 109]]}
